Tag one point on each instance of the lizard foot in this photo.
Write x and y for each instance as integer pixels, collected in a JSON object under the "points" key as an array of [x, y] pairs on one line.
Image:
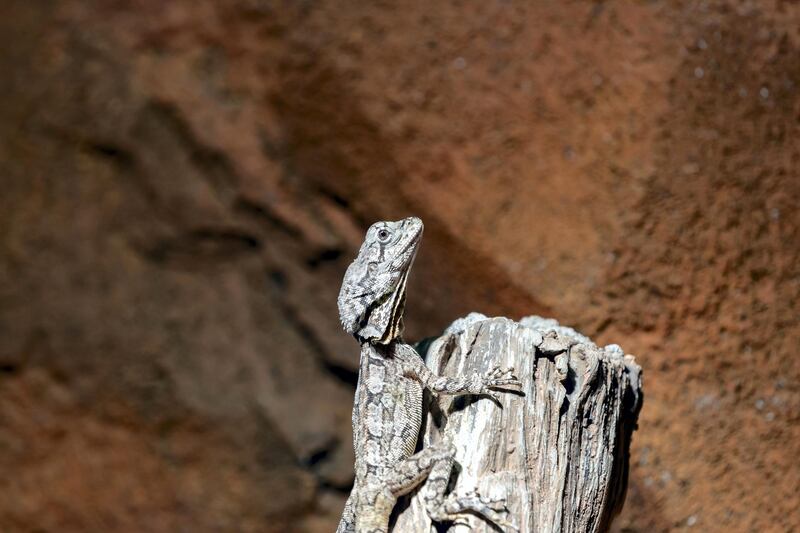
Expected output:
{"points": [[492, 509], [497, 378], [474, 499]]}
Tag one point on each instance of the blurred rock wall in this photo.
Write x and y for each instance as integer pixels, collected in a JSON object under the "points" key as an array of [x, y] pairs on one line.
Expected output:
{"points": [[184, 183]]}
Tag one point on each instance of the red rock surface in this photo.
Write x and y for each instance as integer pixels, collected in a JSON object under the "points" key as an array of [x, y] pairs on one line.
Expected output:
{"points": [[184, 184]]}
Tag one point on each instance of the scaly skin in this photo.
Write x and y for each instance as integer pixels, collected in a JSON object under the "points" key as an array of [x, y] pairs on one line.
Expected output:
{"points": [[388, 407]]}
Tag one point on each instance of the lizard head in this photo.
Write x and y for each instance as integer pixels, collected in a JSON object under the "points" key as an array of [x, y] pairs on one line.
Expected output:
{"points": [[374, 288]]}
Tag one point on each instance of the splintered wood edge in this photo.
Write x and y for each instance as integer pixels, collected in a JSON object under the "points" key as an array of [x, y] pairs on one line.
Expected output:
{"points": [[558, 452]]}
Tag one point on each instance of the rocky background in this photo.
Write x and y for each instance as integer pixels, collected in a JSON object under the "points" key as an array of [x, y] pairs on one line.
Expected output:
{"points": [[183, 183]]}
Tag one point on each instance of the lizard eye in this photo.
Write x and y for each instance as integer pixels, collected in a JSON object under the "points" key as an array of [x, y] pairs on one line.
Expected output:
{"points": [[383, 235]]}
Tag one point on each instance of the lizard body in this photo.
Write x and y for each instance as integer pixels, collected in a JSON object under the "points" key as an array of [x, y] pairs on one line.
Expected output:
{"points": [[388, 407]]}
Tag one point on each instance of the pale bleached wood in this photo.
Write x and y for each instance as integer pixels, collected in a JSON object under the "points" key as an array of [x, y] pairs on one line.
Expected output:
{"points": [[558, 453]]}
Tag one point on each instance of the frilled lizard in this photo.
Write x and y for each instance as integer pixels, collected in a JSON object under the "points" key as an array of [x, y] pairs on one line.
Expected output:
{"points": [[388, 406]]}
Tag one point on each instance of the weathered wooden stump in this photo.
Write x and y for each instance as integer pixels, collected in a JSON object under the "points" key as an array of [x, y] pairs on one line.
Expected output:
{"points": [[559, 451]]}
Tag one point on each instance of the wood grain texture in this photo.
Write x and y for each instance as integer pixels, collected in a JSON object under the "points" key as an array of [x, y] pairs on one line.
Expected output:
{"points": [[559, 451]]}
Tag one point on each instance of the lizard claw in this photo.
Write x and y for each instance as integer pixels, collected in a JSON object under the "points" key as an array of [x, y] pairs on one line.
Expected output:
{"points": [[499, 378], [494, 395]]}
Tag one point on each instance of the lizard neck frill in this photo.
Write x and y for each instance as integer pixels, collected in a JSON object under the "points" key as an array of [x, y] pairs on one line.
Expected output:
{"points": [[384, 322], [395, 326]]}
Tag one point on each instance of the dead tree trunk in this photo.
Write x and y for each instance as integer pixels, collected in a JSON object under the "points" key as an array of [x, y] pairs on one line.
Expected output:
{"points": [[558, 453]]}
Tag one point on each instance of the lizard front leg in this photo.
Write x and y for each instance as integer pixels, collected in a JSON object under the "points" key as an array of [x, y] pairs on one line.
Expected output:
{"points": [[433, 465], [413, 367]]}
